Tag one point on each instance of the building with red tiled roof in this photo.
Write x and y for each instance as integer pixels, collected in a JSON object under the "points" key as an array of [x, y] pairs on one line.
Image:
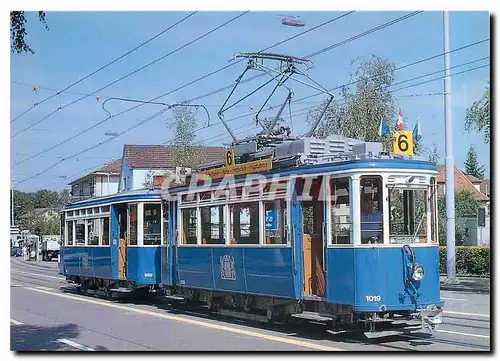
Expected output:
{"points": [[140, 162], [100, 182], [462, 182]]}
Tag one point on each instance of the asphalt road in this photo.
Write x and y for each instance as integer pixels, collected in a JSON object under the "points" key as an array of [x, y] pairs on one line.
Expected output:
{"points": [[45, 318]]}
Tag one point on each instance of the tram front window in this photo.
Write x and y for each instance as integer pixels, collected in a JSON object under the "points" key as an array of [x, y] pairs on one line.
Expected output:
{"points": [[372, 215], [408, 215]]}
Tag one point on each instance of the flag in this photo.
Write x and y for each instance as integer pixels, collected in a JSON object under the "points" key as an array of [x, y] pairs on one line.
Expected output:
{"points": [[383, 129], [417, 132], [399, 122]]}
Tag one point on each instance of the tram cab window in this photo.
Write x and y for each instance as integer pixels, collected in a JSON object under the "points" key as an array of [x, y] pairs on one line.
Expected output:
{"points": [[434, 211], [212, 225], [372, 213], [408, 215], [69, 233], [80, 233], [152, 224], [340, 211], [275, 222], [93, 232], [105, 231], [244, 223], [189, 228], [132, 221]]}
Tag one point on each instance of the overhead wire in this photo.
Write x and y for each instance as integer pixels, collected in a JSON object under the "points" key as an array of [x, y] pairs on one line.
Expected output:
{"points": [[204, 127], [131, 73], [172, 91], [58, 92]]}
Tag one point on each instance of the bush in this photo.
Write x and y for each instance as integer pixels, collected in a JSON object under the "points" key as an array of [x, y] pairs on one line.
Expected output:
{"points": [[470, 260]]}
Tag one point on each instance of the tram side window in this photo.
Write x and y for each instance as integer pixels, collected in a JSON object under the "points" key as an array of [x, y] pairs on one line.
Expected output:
{"points": [[434, 211], [132, 238], [152, 224], [244, 223], [93, 232], [408, 215], [69, 232], [212, 225], [372, 213], [165, 223], [79, 233], [275, 222], [340, 209], [189, 228], [105, 231]]}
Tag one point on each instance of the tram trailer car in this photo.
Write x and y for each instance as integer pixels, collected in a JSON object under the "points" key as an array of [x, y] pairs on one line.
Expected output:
{"points": [[111, 244], [365, 256]]}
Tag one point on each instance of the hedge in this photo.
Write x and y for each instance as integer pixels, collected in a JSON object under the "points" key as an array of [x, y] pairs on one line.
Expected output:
{"points": [[470, 260]]}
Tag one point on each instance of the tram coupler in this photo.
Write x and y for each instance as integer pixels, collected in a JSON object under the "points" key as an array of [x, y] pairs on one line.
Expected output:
{"points": [[431, 316]]}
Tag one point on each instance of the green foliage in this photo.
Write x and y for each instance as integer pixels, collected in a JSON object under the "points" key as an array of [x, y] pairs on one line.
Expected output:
{"points": [[187, 152], [470, 261], [472, 165], [433, 154], [18, 32], [465, 206], [25, 203], [357, 114], [478, 116]]}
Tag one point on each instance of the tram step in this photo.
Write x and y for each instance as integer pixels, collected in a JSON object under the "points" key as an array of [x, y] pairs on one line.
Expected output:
{"points": [[314, 316], [176, 298], [121, 289]]}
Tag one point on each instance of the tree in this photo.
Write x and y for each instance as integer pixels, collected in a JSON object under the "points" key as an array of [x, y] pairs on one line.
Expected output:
{"points": [[357, 114], [478, 116], [433, 154], [187, 152], [465, 206], [18, 32], [472, 165], [64, 198]]}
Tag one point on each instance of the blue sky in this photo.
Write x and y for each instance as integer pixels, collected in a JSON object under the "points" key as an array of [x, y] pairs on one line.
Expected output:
{"points": [[80, 42]]}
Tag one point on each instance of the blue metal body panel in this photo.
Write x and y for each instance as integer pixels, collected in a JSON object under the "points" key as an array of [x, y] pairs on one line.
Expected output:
{"points": [[257, 271], [87, 261], [144, 265], [381, 271]]}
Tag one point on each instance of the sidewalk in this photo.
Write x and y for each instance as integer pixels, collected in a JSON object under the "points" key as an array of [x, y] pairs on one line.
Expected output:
{"points": [[468, 284]]}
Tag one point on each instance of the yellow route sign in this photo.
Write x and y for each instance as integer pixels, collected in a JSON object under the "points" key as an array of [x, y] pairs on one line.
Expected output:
{"points": [[229, 158], [239, 169], [403, 142]]}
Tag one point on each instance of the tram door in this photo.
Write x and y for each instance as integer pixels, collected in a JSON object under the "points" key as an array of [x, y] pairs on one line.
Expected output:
{"points": [[122, 243]]}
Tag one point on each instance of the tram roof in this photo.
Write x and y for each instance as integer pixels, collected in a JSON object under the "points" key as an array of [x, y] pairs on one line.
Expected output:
{"points": [[121, 197], [349, 165]]}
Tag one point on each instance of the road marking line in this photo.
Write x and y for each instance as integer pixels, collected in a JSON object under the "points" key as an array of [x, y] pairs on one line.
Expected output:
{"points": [[463, 334], [37, 274], [75, 345], [16, 322], [195, 322], [466, 313], [453, 299]]}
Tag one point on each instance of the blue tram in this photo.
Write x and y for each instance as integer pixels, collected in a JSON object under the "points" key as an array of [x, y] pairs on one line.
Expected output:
{"points": [[112, 244], [346, 231], [332, 226]]}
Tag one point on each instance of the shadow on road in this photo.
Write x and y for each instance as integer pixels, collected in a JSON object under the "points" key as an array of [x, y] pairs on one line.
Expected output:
{"points": [[38, 338]]}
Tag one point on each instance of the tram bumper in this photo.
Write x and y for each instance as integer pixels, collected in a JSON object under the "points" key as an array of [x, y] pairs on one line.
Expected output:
{"points": [[430, 316]]}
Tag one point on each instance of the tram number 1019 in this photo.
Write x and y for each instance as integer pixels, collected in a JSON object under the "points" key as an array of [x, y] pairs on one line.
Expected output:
{"points": [[373, 298]]}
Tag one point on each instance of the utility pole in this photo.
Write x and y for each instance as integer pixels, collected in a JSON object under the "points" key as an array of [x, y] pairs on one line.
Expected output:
{"points": [[449, 163]]}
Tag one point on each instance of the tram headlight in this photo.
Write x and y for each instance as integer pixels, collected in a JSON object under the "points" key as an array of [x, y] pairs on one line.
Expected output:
{"points": [[418, 272]]}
